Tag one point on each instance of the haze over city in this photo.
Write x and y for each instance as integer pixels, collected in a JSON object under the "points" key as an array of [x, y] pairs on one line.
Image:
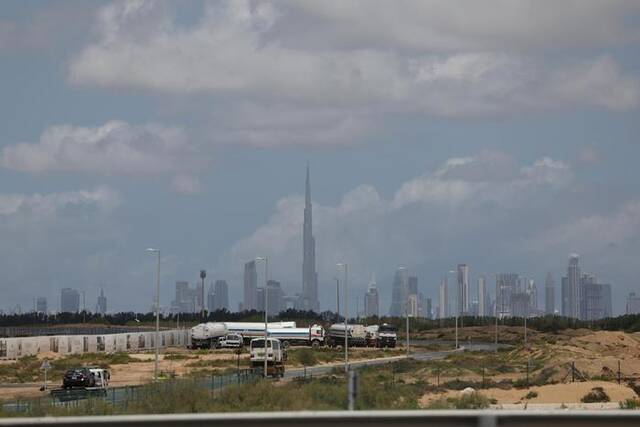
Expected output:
{"points": [[189, 128]]}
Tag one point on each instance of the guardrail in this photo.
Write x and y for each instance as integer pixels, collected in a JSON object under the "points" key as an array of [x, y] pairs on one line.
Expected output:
{"points": [[616, 418]]}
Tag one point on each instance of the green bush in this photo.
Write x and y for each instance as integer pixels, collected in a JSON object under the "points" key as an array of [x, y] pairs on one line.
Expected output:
{"points": [[630, 404], [531, 395], [597, 394]]}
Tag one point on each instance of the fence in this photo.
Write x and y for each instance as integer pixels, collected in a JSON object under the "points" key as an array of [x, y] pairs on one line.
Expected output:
{"points": [[122, 397], [14, 348]]}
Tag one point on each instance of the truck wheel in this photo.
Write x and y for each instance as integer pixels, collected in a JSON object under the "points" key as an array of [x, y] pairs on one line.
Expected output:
{"points": [[285, 344], [315, 343]]}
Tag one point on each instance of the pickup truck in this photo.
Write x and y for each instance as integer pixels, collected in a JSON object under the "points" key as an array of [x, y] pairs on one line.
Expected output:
{"points": [[230, 341]]}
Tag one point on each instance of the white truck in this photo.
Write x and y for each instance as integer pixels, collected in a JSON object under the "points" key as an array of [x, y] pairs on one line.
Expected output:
{"points": [[356, 335], [206, 335], [381, 336], [313, 336], [230, 341], [275, 353], [82, 383]]}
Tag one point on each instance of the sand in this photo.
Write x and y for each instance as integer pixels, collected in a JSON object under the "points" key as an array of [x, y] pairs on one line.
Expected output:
{"points": [[570, 393]]}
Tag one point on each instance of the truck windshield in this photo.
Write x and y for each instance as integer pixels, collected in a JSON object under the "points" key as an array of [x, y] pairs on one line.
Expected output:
{"points": [[259, 344], [387, 328]]}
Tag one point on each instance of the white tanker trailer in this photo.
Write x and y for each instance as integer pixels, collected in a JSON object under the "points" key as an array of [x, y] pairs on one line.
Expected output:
{"points": [[206, 335]]}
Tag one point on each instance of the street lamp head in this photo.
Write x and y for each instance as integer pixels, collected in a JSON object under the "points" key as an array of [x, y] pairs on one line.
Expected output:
{"points": [[152, 250], [341, 264], [261, 258], [203, 274], [402, 267]]}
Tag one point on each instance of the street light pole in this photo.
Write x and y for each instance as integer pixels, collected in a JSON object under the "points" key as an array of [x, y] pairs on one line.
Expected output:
{"points": [[457, 308], [266, 281], [346, 317], [203, 275], [157, 334], [337, 298], [406, 303]]}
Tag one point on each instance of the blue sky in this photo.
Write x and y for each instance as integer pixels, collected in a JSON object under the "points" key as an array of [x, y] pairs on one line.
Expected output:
{"points": [[500, 134]]}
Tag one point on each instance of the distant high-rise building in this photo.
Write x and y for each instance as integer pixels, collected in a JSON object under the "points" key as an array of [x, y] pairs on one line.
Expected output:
{"points": [[41, 305], [572, 288], [428, 309], [250, 286], [275, 297], [259, 299], [532, 290], [399, 293], [549, 294], [463, 289], [633, 304], [596, 298], [371, 299], [443, 307], [520, 304], [101, 306], [309, 275], [69, 301], [506, 286], [186, 298], [211, 298], [222, 295], [483, 298], [414, 300]]}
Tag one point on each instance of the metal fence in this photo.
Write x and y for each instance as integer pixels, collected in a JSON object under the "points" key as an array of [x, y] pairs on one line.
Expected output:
{"points": [[122, 397]]}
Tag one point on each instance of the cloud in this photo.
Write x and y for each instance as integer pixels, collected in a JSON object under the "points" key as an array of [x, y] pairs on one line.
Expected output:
{"points": [[427, 223], [116, 148], [186, 184], [56, 240], [430, 58], [102, 199]]}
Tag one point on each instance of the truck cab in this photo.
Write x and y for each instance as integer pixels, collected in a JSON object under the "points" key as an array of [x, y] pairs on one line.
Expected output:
{"points": [[275, 355], [230, 341]]}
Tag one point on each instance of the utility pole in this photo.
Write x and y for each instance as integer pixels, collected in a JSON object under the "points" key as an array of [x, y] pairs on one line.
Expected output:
{"points": [[266, 309], [203, 275], [157, 307], [338, 298], [346, 317]]}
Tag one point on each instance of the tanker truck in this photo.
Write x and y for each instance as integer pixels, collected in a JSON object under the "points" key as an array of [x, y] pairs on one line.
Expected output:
{"points": [[206, 335]]}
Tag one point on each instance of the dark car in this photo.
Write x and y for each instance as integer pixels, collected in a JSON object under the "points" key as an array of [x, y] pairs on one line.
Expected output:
{"points": [[78, 377]]}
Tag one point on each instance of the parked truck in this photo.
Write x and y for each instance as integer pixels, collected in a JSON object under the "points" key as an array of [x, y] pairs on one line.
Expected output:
{"points": [[82, 383], [382, 336], [206, 335], [356, 335], [311, 336], [275, 354]]}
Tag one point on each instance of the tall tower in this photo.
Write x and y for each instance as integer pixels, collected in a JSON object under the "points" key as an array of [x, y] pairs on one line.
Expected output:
{"points": [[549, 294], [463, 289], [309, 275], [573, 287]]}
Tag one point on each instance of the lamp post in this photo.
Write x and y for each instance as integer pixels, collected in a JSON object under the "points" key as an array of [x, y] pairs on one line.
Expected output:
{"points": [[406, 303], [457, 308], [346, 317], [157, 335], [203, 275], [337, 299], [266, 281]]}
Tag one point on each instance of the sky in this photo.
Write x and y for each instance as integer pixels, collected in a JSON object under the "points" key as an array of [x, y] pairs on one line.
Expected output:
{"points": [[502, 134]]}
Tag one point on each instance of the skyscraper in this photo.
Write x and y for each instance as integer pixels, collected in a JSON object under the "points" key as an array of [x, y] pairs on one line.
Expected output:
{"points": [[221, 295], [483, 297], [463, 289], [414, 302], [573, 288], [69, 301], [444, 299], [371, 299], [41, 305], [101, 306], [549, 294], [309, 275], [250, 286], [275, 297], [506, 286], [595, 298], [633, 304], [399, 294]]}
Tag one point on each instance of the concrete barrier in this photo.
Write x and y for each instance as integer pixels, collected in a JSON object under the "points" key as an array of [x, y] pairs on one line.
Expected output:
{"points": [[15, 348]]}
